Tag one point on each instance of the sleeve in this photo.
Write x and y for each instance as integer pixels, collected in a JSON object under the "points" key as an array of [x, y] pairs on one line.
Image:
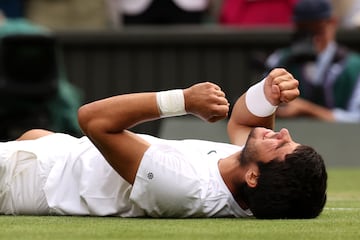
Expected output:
{"points": [[352, 114]]}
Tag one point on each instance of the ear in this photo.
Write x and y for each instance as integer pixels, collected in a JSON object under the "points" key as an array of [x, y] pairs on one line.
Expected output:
{"points": [[251, 176]]}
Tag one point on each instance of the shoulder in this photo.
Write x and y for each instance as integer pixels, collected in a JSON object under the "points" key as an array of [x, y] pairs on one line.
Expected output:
{"points": [[168, 182]]}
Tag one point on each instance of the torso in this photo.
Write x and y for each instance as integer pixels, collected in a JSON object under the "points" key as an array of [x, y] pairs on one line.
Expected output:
{"points": [[81, 182]]}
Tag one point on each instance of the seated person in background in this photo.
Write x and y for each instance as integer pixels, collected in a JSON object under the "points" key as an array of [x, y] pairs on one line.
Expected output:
{"points": [[328, 73], [112, 171]]}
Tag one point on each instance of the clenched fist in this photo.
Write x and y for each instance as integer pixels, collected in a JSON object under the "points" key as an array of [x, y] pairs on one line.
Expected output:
{"points": [[206, 101]]}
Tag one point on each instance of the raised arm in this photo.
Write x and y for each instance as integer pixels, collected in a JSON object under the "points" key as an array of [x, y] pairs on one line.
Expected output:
{"points": [[105, 121], [256, 107]]}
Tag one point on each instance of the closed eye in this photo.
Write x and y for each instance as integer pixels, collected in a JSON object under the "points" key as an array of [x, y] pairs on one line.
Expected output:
{"points": [[281, 145]]}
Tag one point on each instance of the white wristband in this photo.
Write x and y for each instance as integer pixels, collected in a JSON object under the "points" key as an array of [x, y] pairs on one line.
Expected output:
{"points": [[256, 101], [171, 103]]}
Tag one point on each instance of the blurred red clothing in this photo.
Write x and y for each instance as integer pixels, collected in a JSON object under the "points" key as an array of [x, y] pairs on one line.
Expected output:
{"points": [[257, 12]]}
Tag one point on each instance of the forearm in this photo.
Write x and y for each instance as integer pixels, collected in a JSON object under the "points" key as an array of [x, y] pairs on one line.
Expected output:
{"points": [[256, 107], [115, 114], [242, 121], [317, 111]]}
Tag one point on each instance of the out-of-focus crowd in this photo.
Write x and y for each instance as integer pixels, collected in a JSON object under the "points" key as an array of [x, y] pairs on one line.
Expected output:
{"points": [[100, 14]]}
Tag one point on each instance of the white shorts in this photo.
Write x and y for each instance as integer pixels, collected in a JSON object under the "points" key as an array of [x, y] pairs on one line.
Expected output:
{"points": [[21, 183], [24, 169]]}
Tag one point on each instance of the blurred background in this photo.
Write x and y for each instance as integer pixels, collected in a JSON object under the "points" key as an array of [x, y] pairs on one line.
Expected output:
{"points": [[56, 55]]}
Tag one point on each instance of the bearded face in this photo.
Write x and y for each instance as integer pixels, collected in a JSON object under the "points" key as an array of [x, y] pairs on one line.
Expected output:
{"points": [[249, 153]]}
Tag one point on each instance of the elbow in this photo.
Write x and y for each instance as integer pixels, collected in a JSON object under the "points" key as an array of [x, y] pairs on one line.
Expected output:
{"points": [[92, 123], [84, 118]]}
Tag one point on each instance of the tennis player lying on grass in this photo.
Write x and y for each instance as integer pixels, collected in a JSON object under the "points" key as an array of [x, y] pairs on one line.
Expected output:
{"points": [[112, 171]]}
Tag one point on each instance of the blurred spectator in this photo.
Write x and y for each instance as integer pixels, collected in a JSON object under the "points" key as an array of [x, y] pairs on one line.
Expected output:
{"points": [[327, 72], [158, 12], [67, 14], [12, 8], [33, 59], [257, 12], [348, 13]]}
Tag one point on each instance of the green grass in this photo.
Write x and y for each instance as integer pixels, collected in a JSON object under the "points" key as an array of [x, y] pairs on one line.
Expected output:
{"points": [[340, 220]]}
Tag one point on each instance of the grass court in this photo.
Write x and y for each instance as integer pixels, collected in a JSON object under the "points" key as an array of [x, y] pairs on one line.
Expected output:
{"points": [[339, 220]]}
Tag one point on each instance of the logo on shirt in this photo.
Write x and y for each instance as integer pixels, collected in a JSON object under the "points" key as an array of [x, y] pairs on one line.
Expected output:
{"points": [[150, 175], [212, 151]]}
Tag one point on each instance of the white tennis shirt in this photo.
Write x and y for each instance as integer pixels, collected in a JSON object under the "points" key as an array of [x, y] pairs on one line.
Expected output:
{"points": [[62, 175]]}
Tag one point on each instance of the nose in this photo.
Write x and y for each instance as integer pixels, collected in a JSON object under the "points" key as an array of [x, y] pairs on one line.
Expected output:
{"points": [[284, 133]]}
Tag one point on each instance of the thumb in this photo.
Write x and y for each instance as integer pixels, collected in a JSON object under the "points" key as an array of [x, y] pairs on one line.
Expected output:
{"points": [[275, 94]]}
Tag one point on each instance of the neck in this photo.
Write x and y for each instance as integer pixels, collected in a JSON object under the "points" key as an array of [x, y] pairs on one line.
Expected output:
{"points": [[233, 175]]}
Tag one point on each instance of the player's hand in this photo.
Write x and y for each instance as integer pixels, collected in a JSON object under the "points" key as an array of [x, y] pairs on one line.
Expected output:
{"points": [[281, 87], [206, 101]]}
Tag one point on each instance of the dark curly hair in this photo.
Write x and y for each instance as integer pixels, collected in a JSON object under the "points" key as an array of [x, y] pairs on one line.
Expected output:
{"points": [[293, 188]]}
